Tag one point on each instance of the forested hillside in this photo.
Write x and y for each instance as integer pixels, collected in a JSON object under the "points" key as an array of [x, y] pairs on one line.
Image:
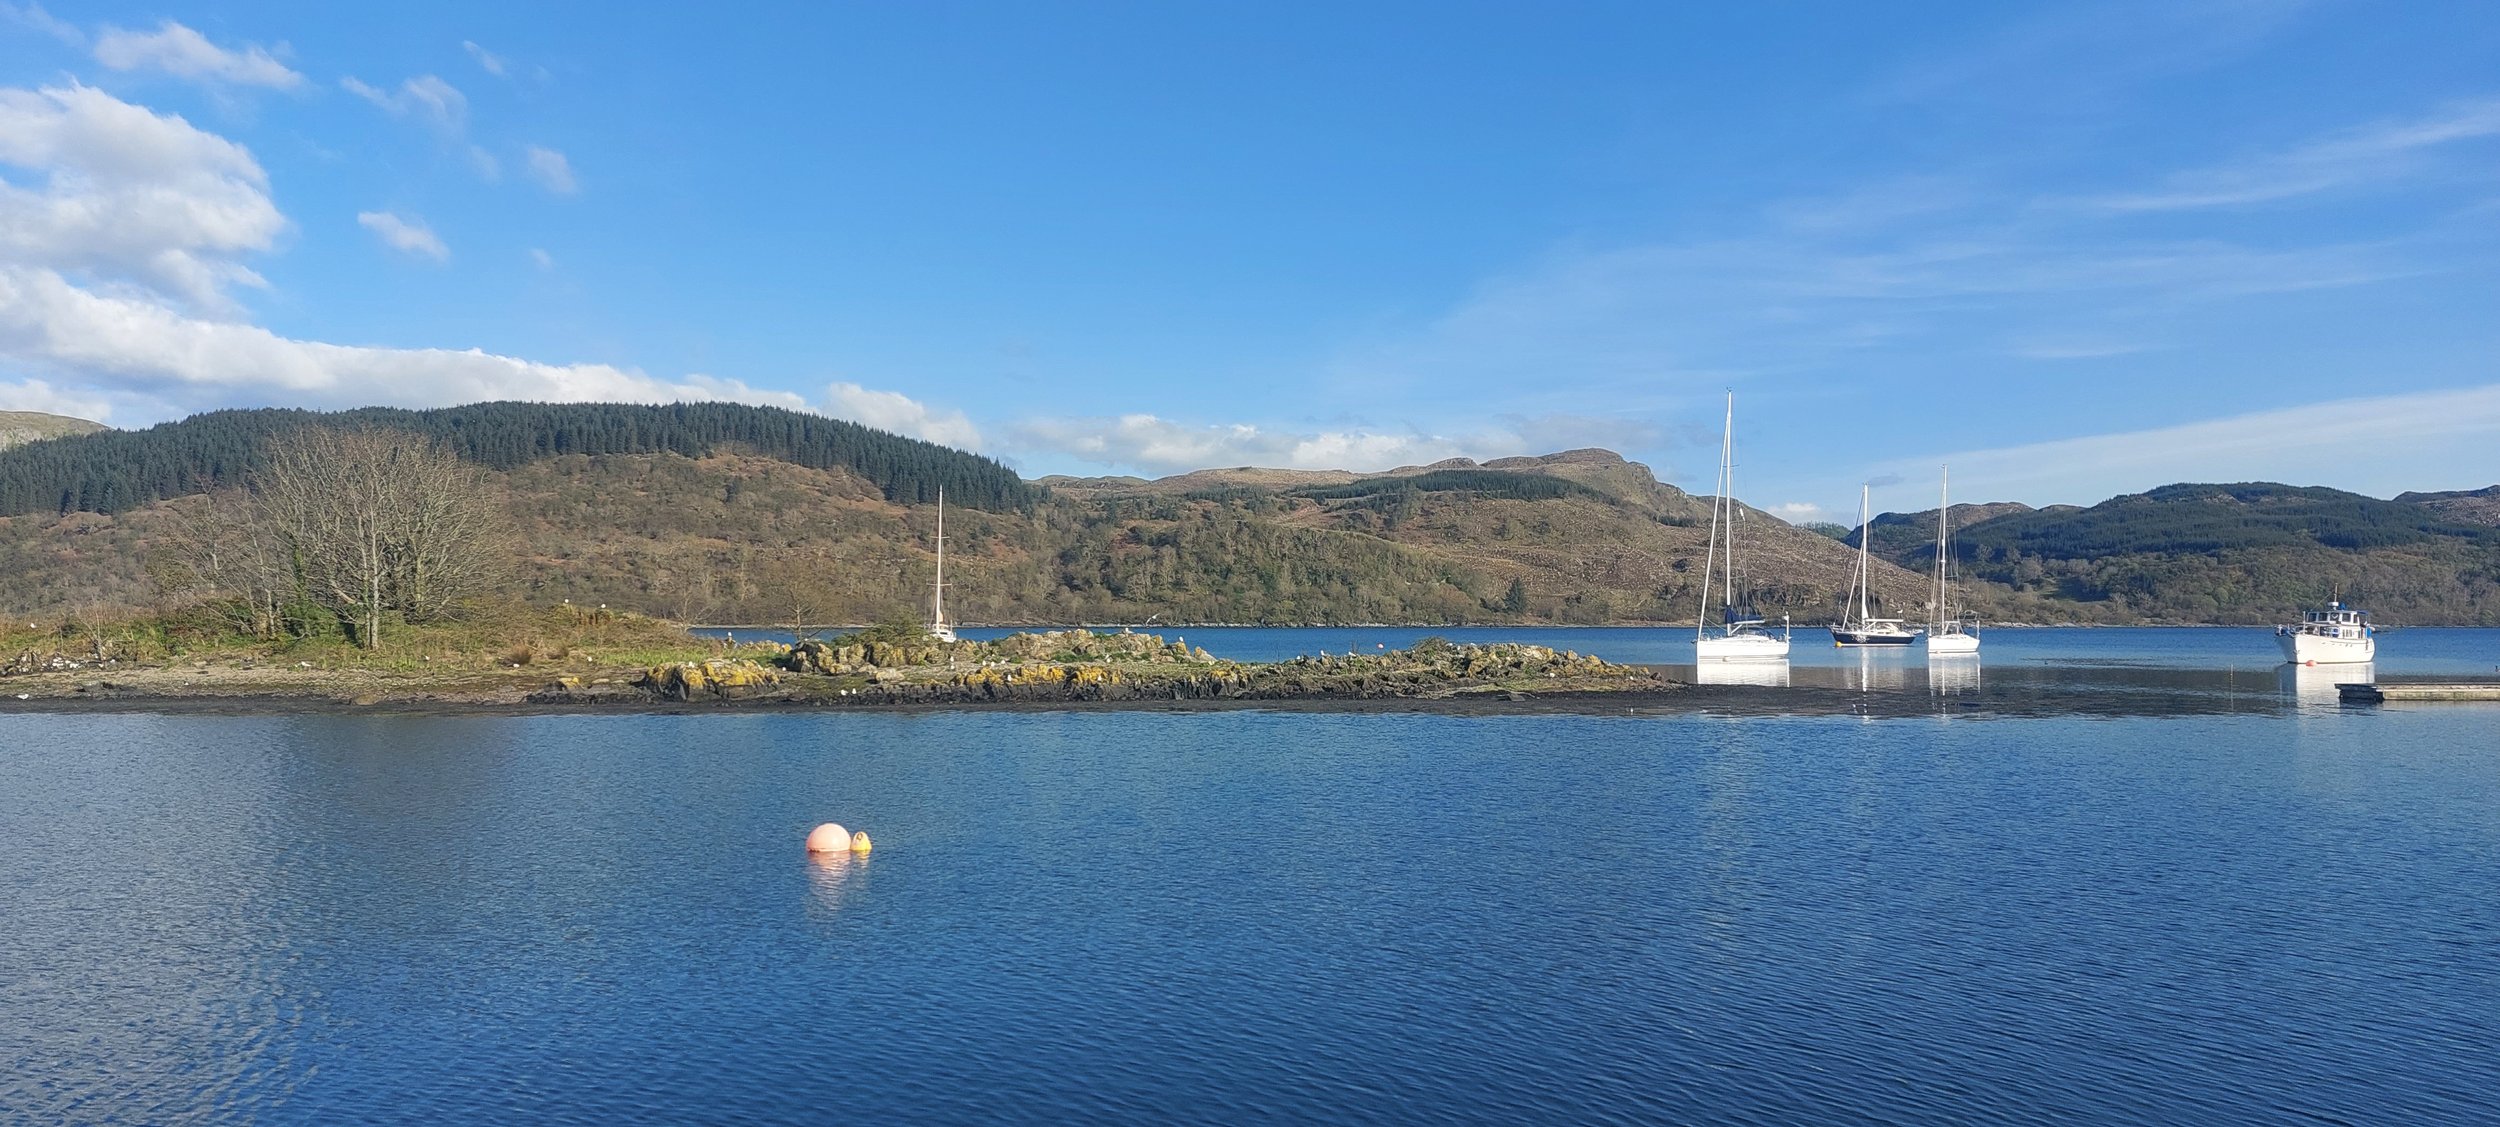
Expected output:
{"points": [[724, 513], [2246, 552], [737, 537], [114, 471]]}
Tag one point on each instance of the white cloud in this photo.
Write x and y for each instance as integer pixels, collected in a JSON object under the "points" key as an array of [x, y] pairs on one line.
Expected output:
{"points": [[1800, 512], [552, 171], [542, 259], [1158, 445], [2383, 444], [488, 61], [113, 278], [131, 194], [44, 320], [425, 98], [2371, 153], [488, 168], [1152, 444], [37, 395], [32, 17], [901, 414], [177, 50], [402, 234]]}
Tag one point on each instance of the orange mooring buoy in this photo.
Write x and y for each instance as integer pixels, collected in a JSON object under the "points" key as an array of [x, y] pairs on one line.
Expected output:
{"points": [[828, 838]]}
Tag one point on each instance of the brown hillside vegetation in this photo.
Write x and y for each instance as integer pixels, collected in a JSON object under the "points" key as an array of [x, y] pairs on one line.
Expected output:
{"points": [[733, 538], [18, 427], [2473, 506]]}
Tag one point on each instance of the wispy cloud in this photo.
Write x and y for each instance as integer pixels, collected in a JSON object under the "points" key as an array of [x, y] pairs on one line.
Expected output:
{"points": [[2079, 53], [425, 98], [487, 61], [2370, 154], [179, 51], [440, 107], [1910, 267], [32, 17], [541, 259], [408, 235], [552, 171], [2078, 348], [2418, 440]]}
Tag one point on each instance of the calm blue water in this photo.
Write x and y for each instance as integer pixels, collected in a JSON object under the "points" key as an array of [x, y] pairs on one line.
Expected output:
{"points": [[2263, 916], [2244, 649]]}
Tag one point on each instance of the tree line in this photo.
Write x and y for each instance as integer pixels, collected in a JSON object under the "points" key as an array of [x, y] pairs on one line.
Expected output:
{"points": [[115, 471]]}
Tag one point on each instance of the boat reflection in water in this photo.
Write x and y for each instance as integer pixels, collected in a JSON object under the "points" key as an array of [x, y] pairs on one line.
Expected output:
{"points": [[1951, 674], [2315, 684], [1768, 674], [1884, 668]]}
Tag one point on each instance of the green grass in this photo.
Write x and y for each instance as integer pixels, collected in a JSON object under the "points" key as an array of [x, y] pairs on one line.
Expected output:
{"points": [[502, 637]]}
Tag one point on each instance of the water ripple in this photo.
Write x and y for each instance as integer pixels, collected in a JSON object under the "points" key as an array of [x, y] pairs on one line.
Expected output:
{"points": [[1251, 917]]}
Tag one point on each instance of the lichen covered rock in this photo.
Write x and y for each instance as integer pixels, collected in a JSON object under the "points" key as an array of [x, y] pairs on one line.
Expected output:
{"points": [[718, 678]]}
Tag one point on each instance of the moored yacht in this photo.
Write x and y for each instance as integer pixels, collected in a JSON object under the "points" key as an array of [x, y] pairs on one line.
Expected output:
{"points": [[1946, 632], [1742, 636], [1858, 625], [2335, 636]]}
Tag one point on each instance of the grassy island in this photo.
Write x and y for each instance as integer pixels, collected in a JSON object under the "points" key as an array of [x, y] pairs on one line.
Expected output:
{"points": [[595, 659]]}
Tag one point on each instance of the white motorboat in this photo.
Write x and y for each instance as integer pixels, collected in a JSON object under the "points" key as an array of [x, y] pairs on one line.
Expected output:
{"points": [[1742, 635], [939, 628], [1858, 625], [1946, 632], [2338, 635]]}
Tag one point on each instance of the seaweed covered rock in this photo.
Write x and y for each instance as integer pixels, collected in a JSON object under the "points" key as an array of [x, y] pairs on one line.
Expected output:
{"points": [[719, 678]]}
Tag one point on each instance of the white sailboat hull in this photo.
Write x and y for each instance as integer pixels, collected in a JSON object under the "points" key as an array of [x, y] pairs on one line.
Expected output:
{"points": [[2319, 649], [1741, 647]]}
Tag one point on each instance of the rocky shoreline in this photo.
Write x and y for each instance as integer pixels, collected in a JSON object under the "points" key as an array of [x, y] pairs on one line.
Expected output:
{"points": [[1052, 669]]}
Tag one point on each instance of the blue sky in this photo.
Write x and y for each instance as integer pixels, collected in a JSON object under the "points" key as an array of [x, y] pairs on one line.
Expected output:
{"points": [[2074, 249]]}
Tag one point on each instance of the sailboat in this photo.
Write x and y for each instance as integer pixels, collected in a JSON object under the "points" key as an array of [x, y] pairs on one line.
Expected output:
{"points": [[1858, 625], [938, 627], [1742, 635], [1946, 632]]}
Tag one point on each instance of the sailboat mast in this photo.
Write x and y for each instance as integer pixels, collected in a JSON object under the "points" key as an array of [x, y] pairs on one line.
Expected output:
{"points": [[937, 595], [1944, 513], [1865, 533], [1710, 554], [1727, 496]]}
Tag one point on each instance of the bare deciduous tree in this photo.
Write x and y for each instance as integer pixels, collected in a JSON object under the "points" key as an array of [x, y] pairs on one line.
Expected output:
{"points": [[367, 521]]}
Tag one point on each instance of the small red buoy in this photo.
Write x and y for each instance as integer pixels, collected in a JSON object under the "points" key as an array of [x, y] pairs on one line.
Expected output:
{"points": [[829, 838]]}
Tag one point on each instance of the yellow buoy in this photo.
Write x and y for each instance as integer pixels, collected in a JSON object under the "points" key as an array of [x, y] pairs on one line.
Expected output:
{"points": [[828, 838], [859, 842]]}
